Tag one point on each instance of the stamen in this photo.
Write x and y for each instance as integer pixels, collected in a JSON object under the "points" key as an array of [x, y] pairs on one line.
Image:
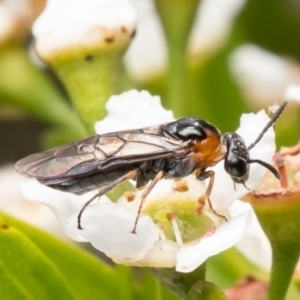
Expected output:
{"points": [[284, 180], [217, 221], [172, 218], [162, 234]]}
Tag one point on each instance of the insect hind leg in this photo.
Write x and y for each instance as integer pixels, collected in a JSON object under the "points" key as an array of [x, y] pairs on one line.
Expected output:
{"points": [[104, 190], [160, 174]]}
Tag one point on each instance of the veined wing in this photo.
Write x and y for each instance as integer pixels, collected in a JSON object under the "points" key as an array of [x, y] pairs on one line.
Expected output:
{"points": [[101, 152]]}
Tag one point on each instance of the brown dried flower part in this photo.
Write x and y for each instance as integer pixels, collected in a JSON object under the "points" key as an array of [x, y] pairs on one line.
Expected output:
{"points": [[248, 288], [288, 188]]}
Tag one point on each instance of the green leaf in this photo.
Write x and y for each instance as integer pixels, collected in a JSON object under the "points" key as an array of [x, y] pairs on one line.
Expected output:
{"points": [[87, 276], [203, 290], [25, 272]]}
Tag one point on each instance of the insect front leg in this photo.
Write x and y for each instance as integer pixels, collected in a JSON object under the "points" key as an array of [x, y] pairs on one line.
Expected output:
{"points": [[211, 176], [104, 190]]}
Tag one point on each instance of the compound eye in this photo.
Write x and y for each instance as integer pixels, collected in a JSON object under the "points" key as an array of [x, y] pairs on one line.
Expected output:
{"points": [[238, 169]]}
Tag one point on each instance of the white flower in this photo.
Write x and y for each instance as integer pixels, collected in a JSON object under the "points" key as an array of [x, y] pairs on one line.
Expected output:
{"points": [[254, 245], [132, 110], [292, 93], [176, 228], [78, 24], [262, 75], [211, 28]]}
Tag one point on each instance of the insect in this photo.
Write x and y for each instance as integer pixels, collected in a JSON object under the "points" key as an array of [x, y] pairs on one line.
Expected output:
{"points": [[172, 150]]}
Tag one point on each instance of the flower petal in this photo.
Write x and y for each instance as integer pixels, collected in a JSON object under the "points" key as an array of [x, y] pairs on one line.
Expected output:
{"points": [[65, 206], [161, 255], [292, 93], [190, 257], [108, 227], [251, 126], [254, 244], [132, 110]]}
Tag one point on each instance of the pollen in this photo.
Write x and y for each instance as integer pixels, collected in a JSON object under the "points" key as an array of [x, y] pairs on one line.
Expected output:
{"points": [[201, 203], [129, 196], [181, 186]]}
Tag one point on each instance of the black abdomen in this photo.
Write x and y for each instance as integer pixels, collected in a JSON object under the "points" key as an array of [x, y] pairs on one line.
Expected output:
{"points": [[81, 185]]}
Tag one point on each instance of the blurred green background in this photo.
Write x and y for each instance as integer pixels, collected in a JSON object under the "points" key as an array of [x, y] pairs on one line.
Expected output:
{"points": [[247, 67]]}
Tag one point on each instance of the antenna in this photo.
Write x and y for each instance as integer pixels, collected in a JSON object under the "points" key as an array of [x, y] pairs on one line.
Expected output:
{"points": [[270, 123]]}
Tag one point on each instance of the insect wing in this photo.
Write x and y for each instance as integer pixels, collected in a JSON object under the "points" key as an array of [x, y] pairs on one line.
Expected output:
{"points": [[56, 162], [103, 152]]}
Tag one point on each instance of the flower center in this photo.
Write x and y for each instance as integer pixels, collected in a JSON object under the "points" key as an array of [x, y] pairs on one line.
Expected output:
{"points": [[180, 220]]}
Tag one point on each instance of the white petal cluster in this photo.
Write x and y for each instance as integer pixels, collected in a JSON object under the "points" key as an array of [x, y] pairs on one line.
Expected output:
{"points": [[80, 24], [262, 75], [132, 110], [108, 226]]}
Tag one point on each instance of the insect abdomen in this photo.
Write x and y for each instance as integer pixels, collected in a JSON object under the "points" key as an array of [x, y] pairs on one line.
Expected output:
{"points": [[81, 185]]}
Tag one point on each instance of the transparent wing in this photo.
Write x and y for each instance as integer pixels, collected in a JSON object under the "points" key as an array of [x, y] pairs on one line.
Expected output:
{"points": [[101, 152]]}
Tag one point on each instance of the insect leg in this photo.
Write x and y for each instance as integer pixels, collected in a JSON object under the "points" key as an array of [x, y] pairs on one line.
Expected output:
{"points": [[104, 190], [211, 176], [146, 192]]}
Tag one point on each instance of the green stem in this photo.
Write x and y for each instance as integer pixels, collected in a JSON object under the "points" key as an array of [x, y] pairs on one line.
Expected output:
{"points": [[90, 80], [177, 18], [278, 215], [179, 283], [177, 79], [285, 257]]}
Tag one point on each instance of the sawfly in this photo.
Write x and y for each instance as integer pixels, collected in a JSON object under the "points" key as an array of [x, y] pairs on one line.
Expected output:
{"points": [[171, 150]]}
